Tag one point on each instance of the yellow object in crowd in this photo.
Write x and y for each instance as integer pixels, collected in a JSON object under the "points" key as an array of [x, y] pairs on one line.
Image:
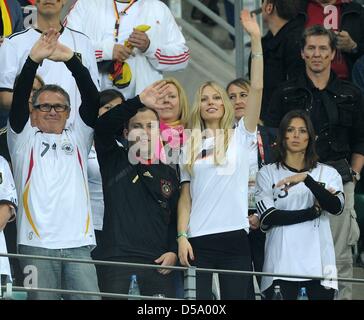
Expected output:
{"points": [[142, 28]]}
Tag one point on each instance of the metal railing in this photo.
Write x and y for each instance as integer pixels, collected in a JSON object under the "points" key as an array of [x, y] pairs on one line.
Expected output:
{"points": [[189, 277]]}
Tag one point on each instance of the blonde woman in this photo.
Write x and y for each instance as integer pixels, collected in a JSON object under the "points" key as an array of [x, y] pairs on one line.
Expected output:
{"points": [[213, 206], [172, 120]]}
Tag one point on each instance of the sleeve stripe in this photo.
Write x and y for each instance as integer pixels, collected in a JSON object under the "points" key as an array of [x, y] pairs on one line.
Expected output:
{"points": [[263, 227], [261, 207], [341, 197], [175, 62], [163, 56]]}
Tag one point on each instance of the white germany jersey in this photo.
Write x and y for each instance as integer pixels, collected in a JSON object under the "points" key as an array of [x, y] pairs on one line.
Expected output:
{"points": [[15, 50], [220, 193], [7, 195], [305, 248], [95, 188], [50, 173]]}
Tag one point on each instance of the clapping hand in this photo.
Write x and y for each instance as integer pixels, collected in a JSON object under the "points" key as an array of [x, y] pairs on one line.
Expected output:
{"points": [[48, 47], [61, 53], [44, 46], [152, 96]]}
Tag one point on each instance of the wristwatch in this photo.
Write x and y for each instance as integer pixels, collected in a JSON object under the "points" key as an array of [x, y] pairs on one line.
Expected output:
{"points": [[356, 175]]}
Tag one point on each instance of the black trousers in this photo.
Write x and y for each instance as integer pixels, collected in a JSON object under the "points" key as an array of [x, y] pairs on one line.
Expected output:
{"points": [[257, 243], [227, 250], [290, 290], [117, 279]]}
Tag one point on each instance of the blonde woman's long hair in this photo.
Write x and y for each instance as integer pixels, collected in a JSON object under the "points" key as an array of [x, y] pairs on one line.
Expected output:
{"points": [[184, 107], [197, 125]]}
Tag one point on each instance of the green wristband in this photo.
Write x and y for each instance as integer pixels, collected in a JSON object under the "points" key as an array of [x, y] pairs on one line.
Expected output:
{"points": [[181, 234]]}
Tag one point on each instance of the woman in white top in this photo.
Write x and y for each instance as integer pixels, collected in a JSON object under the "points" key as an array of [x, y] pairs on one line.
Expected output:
{"points": [[294, 197], [213, 206]]}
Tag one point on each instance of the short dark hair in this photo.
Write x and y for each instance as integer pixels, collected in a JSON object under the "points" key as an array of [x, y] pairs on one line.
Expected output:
{"points": [[239, 82], [286, 9], [311, 157], [36, 77], [318, 30], [143, 109], [109, 95], [52, 88]]}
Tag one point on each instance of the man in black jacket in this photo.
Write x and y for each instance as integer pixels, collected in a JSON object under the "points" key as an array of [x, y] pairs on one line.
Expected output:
{"points": [[336, 109], [281, 46], [346, 18], [140, 196]]}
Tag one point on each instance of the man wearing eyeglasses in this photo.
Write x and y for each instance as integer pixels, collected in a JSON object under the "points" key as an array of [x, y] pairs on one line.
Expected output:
{"points": [[336, 109], [50, 169], [15, 50]]}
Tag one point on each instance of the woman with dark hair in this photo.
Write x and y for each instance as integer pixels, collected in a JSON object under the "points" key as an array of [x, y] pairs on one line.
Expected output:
{"points": [[108, 99], [294, 196]]}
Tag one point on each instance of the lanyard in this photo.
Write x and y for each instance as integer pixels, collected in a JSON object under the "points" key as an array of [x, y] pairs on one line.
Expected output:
{"points": [[260, 147], [117, 16]]}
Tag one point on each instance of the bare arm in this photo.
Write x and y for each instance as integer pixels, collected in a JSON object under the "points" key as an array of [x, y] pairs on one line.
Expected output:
{"points": [[5, 215], [183, 218], [357, 162], [6, 98], [256, 89]]}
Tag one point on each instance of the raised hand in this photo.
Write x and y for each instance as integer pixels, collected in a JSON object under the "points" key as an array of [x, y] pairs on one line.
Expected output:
{"points": [[61, 53], [45, 46], [249, 22], [152, 96]]}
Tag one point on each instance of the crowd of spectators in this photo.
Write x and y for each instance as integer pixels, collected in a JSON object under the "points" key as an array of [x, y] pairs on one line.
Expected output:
{"points": [[102, 157]]}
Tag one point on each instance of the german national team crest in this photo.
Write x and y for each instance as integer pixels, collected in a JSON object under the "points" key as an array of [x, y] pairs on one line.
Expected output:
{"points": [[166, 187], [67, 148]]}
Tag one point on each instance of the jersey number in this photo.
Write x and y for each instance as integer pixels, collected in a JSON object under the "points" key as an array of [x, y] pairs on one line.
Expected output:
{"points": [[46, 148]]}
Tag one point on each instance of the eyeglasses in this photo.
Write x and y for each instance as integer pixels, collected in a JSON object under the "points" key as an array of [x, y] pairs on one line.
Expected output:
{"points": [[47, 107]]}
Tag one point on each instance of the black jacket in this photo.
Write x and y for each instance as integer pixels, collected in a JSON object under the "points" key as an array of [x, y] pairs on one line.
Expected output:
{"points": [[140, 200], [352, 21], [282, 59], [342, 109]]}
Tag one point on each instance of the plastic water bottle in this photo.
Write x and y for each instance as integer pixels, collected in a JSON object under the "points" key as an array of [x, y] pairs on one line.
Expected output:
{"points": [[302, 294], [277, 295], [134, 288]]}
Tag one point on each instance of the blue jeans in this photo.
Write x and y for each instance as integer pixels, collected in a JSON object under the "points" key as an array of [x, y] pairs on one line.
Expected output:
{"points": [[61, 275]]}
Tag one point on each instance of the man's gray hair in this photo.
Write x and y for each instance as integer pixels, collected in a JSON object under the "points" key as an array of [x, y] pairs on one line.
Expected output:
{"points": [[52, 88]]}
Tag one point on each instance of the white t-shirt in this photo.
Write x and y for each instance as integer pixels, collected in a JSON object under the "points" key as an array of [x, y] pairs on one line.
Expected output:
{"points": [[50, 173], [220, 193], [304, 248], [95, 187], [7, 195], [15, 50]]}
